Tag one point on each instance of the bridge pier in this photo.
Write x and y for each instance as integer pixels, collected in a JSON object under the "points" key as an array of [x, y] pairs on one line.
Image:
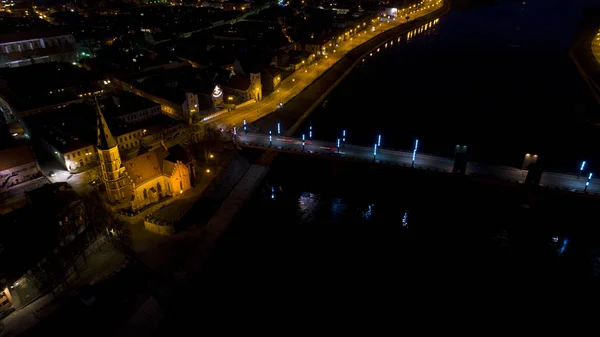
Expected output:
{"points": [[534, 175], [460, 160]]}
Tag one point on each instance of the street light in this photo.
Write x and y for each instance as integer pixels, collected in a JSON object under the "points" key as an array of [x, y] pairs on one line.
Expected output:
{"points": [[415, 152], [581, 169], [338, 145], [270, 138], [344, 136], [303, 141], [375, 151], [234, 131], [279, 129], [310, 132], [587, 183], [379, 140], [245, 128]]}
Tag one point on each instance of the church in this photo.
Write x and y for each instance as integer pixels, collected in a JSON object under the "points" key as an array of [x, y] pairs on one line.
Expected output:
{"points": [[146, 179]]}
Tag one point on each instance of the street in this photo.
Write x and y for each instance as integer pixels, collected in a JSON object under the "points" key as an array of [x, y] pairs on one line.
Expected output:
{"points": [[405, 158], [303, 77]]}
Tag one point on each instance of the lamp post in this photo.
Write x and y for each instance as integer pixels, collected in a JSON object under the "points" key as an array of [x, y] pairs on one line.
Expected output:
{"points": [[310, 132], [379, 141], [581, 169], [415, 153], [270, 138], [587, 183], [303, 141], [279, 129], [343, 136], [338, 145], [245, 128], [235, 131], [375, 152]]}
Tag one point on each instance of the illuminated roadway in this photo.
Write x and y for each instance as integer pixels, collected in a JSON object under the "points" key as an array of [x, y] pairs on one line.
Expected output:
{"points": [[404, 158], [303, 77]]}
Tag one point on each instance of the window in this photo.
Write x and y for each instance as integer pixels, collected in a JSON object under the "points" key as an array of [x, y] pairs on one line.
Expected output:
{"points": [[78, 153], [68, 157], [180, 185], [129, 137], [145, 194]]}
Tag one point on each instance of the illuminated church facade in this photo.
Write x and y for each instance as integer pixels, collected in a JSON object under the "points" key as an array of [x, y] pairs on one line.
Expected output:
{"points": [[144, 180]]}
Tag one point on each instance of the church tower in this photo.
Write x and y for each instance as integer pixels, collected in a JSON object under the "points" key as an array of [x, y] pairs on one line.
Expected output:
{"points": [[113, 172]]}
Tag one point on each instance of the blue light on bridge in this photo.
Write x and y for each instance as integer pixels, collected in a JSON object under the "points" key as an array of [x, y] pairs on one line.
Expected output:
{"points": [[303, 137], [415, 150], [564, 246], [582, 166], [344, 136], [379, 140], [375, 150], [244, 125], [590, 176], [234, 131], [405, 219], [279, 128], [272, 192], [310, 132]]}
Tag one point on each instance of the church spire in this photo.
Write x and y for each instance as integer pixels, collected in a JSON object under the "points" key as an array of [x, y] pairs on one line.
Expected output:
{"points": [[105, 138]]}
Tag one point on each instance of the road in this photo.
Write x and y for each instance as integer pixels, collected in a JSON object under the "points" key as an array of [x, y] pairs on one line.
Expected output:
{"points": [[303, 77], [422, 161]]}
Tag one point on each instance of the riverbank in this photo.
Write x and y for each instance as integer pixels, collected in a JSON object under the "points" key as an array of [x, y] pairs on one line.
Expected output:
{"points": [[300, 107]]}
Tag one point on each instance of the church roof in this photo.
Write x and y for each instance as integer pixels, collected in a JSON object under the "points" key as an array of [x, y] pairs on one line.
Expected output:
{"points": [[146, 166], [105, 138]]}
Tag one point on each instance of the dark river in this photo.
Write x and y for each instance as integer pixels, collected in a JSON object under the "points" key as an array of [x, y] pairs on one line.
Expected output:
{"points": [[343, 240]]}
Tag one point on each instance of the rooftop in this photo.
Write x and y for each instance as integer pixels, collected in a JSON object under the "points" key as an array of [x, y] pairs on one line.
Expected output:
{"points": [[152, 125], [67, 129], [123, 103], [15, 156], [31, 35], [23, 93], [238, 82]]}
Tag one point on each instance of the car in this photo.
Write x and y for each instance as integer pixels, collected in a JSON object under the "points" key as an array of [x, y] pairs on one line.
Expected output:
{"points": [[288, 140], [308, 142]]}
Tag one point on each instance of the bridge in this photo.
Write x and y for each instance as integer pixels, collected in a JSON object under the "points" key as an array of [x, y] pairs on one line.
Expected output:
{"points": [[413, 159]]}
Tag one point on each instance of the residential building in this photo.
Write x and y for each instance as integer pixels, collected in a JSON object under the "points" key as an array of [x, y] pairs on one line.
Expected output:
{"points": [[240, 88], [26, 48], [17, 165], [143, 180], [181, 92], [271, 77], [63, 84], [68, 134], [57, 216], [130, 108]]}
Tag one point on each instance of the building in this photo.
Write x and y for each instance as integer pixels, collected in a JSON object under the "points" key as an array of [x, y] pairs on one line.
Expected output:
{"points": [[68, 134], [26, 48], [130, 108], [271, 78], [17, 165], [33, 263], [143, 180], [243, 85], [181, 92], [64, 84]]}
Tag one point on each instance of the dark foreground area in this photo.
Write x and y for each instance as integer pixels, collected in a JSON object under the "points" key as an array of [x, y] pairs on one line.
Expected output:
{"points": [[309, 244]]}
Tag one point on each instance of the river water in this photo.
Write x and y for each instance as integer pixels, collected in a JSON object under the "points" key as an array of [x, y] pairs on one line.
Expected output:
{"points": [[322, 238]]}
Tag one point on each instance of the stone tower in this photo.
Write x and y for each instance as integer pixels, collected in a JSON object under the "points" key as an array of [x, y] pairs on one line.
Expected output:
{"points": [[113, 171], [256, 86]]}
